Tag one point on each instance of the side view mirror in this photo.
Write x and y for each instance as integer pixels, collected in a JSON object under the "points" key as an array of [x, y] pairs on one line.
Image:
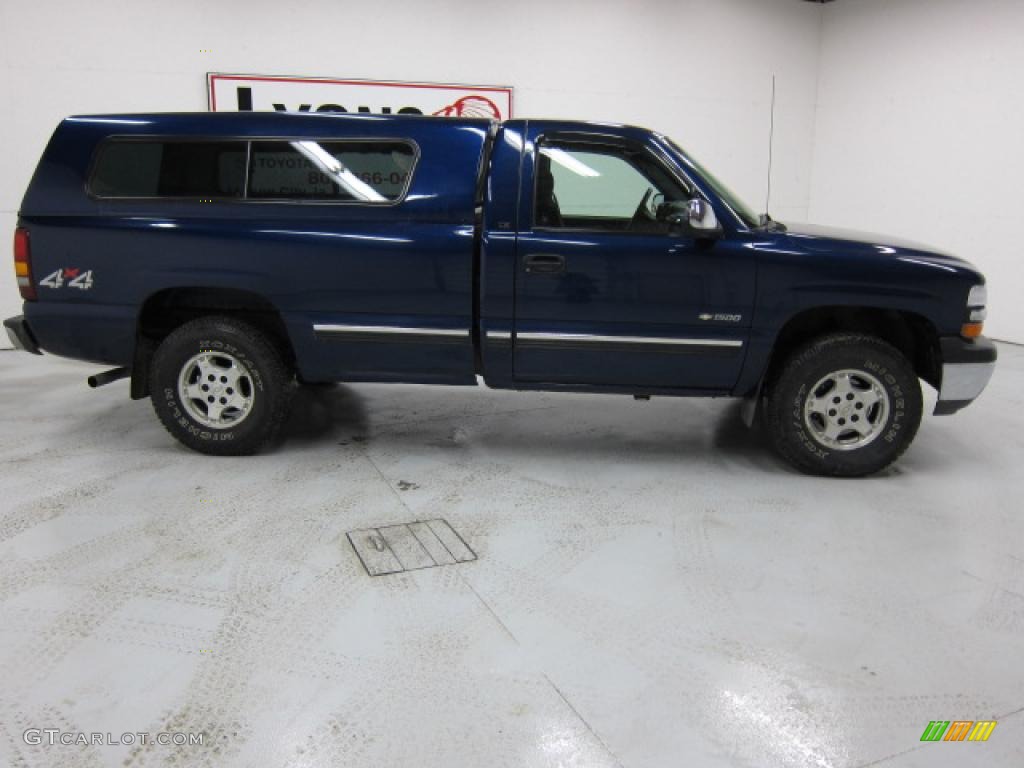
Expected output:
{"points": [[695, 216]]}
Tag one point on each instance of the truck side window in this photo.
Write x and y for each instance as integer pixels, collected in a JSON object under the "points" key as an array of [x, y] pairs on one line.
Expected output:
{"points": [[602, 188], [190, 169], [330, 171]]}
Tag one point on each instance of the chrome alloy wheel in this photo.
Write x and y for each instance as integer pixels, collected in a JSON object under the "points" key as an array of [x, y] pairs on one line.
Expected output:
{"points": [[846, 409], [216, 389]]}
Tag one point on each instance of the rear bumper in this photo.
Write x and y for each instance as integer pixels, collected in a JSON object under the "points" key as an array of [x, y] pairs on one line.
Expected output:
{"points": [[20, 335], [967, 366]]}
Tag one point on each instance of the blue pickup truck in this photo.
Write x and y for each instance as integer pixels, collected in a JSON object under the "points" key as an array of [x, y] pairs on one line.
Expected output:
{"points": [[220, 260]]}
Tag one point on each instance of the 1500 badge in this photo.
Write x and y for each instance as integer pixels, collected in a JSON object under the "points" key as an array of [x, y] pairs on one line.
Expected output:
{"points": [[73, 277], [720, 317]]}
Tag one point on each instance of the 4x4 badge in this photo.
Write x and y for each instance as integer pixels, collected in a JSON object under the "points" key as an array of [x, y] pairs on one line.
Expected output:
{"points": [[72, 277]]}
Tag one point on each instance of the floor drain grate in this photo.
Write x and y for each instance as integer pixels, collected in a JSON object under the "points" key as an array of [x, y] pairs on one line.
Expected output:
{"points": [[409, 547]]}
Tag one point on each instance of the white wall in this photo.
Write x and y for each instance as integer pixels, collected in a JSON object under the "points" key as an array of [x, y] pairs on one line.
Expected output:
{"points": [[920, 132], [909, 112], [696, 69]]}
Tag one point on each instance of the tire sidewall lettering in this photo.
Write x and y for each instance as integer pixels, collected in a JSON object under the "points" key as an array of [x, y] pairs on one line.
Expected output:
{"points": [[801, 431]]}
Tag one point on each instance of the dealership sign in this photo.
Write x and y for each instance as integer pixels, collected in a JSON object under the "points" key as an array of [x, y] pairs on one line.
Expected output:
{"points": [[247, 93]]}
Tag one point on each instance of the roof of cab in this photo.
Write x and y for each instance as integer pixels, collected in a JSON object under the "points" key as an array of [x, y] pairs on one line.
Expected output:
{"points": [[257, 123]]}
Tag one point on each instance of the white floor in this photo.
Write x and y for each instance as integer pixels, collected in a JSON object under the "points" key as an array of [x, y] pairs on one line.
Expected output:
{"points": [[652, 588]]}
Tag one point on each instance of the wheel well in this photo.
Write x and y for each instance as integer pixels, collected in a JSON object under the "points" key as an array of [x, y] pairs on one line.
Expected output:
{"points": [[910, 333], [168, 309]]}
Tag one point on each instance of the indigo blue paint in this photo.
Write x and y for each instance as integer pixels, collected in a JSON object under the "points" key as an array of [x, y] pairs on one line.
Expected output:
{"points": [[412, 264]]}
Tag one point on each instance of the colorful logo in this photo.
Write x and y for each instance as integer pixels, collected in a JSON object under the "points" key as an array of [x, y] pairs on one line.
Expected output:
{"points": [[958, 730], [471, 106]]}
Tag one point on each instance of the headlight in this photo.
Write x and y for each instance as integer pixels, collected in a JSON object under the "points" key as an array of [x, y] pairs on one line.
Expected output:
{"points": [[978, 297], [976, 301]]}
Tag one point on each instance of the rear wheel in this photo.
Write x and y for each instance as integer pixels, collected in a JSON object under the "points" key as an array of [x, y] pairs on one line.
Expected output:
{"points": [[843, 405], [220, 386]]}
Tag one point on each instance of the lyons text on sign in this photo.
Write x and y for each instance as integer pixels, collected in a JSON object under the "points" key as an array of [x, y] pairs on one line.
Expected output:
{"points": [[247, 93]]}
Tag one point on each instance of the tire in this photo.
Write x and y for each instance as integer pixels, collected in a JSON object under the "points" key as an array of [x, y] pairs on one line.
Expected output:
{"points": [[204, 358], [843, 405]]}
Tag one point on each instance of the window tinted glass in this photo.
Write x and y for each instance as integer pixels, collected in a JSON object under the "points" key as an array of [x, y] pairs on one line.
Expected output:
{"points": [[200, 169], [601, 188], [359, 171]]}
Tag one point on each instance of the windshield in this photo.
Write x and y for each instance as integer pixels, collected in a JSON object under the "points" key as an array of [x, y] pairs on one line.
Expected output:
{"points": [[741, 209]]}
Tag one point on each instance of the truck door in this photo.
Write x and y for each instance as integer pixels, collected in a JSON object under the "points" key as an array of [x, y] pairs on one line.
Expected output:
{"points": [[605, 294]]}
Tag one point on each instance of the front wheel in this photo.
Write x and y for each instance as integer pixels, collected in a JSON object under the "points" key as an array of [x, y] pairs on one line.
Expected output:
{"points": [[843, 405], [220, 386]]}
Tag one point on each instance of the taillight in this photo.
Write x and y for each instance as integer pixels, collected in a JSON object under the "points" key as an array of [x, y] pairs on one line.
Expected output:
{"points": [[23, 264]]}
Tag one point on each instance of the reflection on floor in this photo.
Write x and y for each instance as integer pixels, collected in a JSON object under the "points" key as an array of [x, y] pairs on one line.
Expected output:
{"points": [[652, 587]]}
